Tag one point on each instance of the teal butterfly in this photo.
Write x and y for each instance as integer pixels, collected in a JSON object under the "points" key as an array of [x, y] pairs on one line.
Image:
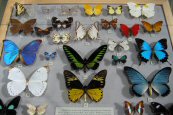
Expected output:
{"points": [[116, 59], [91, 63]]}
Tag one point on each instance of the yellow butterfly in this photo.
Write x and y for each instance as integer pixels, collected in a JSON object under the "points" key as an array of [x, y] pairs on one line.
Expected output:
{"points": [[76, 89], [118, 10], [89, 10], [20, 9]]}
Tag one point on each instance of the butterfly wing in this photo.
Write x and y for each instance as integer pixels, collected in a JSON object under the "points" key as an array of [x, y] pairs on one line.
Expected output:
{"points": [[47, 55], [88, 9], [65, 38], [145, 50], [157, 27], [124, 45], [123, 59], [28, 26], [93, 32], [160, 81], [38, 81], [74, 58], [134, 9], [11, 52], [94, 89], [80, 32], [125, 30], [10, 110], [96, 56], [98, 10], [31, 109], [53, 55], [129, 108], [140, 108], [16, 26], [139, 83], [74, 86], [119, 10], [158, 109], [2, 107], [135, 30], [114, 23], [111, 10], [18, 82], [115, 59], [159, 50], [41, 109], [111, 45], [20, 9], [29, 52], [105, 24], [147, 26], [148, 10]]}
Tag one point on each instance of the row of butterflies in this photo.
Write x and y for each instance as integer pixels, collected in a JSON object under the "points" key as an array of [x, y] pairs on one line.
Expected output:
{"points": [[80, 30], [135, 10], [28, 54], [156, 108]]}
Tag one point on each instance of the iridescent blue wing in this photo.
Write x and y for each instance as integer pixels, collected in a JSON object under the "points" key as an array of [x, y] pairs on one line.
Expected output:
{"points": [[145, 50], [139, 83], [159, 82], [47, 55], [29, 52], [159, 50], [11, 52]]}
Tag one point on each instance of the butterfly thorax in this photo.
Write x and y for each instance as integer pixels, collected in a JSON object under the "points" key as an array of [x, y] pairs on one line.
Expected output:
{"points": [[85, 88], [85, 65], [150, 89]]}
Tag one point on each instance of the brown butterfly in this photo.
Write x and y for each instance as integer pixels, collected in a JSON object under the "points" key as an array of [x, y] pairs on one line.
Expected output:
{"points": [[107, 24], [157, 27], [18, 27], [41, 32]]}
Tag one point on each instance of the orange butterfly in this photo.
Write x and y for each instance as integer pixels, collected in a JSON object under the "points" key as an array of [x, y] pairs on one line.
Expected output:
{"points": [[157, 27]]}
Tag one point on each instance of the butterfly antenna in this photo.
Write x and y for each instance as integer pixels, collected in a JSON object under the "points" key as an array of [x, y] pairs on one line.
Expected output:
{"points": [[169, 62]]}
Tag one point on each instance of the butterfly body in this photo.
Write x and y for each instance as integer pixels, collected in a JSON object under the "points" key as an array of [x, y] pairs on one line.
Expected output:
{"points": [[96, 11], [78, 63], [9, 109], [76, 89], [27, 55], [140, 85]]}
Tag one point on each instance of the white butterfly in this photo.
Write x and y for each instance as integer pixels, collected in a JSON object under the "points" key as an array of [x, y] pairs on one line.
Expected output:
{"points": [[146, 10], [33, 110], [82, 32], [36, 85], [60, 38], [118, 46]]}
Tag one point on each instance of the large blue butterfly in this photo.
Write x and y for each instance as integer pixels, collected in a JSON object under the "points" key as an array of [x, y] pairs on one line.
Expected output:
{"points": [[27, 55], [140, 85], [146, 52]]}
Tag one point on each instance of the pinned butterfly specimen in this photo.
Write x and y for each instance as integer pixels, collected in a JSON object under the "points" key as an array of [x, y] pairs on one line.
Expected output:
{"points": [[60, 38], [9, 109], [20, 9], [57, 23], [76, 89], [92, 32], [18, 27], [137, 11], [37, 84], [39, 110], [107, 24], [146, 52], [27, 54], [69, 10], [116, 59], [131, 110], [157, 27], [93, 11], [118, 46], [140, 85], [127, 31], [91, 63], [159, 109], [41, 32], [49, 56], [115, 11]]}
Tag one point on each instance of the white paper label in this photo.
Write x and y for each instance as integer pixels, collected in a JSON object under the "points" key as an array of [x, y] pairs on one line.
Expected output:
{"points": [[84, 111]]}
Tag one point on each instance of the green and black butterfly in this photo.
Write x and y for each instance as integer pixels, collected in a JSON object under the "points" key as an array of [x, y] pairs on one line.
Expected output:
{"points": [[116, 59], [91, 63]]}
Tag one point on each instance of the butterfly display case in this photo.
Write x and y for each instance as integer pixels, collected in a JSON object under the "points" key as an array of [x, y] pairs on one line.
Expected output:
{"points": [[117, 86]]}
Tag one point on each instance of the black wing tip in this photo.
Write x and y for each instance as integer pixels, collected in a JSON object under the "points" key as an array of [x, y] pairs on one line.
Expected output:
{"points": [[166, 93], [103, 71], [127, 68], [67, 71], [137, 94]]}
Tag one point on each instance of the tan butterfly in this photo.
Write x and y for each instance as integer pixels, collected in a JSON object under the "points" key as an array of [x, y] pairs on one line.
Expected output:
{"points": [[60, 38], [33, 110]]}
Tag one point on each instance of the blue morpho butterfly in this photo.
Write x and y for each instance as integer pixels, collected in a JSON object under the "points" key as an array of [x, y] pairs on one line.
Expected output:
{"points": [[9, 109], [146, 52], [140, 85], [49, 56], [27, 55], [116, 59]]}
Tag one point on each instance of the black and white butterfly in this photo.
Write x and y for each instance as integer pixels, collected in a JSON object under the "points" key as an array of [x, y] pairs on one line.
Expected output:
{"points": [[57, 23]]}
